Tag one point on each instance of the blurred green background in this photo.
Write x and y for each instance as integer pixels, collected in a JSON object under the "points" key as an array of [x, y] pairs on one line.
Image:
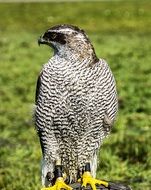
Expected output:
{"points": [[121, 33]]}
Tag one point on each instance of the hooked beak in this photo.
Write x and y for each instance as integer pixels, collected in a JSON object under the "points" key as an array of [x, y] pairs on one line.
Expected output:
{"points": [[41, 40]]}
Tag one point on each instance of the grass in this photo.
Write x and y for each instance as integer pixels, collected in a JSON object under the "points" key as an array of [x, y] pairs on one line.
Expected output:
{"points": [[120, 32]]}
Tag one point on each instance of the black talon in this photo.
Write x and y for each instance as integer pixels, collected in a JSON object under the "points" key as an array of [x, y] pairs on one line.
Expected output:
{"points": [[87, 167], [58, 171], [49, 177]]}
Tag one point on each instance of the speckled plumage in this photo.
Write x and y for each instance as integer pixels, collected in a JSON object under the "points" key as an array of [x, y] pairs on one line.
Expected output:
{"points": [[76, 102]]}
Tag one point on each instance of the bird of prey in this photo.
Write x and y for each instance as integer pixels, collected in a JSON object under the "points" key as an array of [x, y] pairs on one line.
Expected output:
{"points": [[76, 105]]}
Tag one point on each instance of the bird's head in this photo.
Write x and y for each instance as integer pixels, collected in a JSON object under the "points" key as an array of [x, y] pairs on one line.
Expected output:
{"points": [[68, 40]]}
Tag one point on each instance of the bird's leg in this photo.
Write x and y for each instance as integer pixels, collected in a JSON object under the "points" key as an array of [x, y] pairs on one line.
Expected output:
{"points": [[88, 179], [59, 181]]}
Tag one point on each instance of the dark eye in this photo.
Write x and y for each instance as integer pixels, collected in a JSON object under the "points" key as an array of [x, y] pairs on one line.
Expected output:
{"points": [[53, 35]]}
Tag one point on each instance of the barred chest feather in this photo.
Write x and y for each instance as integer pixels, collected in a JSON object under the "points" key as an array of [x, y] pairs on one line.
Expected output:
{"points": [[71, 106]]}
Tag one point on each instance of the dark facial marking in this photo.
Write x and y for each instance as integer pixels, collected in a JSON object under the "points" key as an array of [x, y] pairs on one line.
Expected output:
{"points": [[54, 36]]}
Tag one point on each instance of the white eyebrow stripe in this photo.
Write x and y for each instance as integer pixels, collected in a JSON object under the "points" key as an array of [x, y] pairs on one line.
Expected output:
{"points": [[65, 30]]}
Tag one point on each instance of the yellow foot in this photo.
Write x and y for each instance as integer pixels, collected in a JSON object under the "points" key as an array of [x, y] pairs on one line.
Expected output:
{"points": [[88, 179], [59, 184]]}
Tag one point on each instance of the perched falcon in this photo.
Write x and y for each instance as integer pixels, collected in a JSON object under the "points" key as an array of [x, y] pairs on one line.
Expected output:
{"points": [[76, 105]]}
